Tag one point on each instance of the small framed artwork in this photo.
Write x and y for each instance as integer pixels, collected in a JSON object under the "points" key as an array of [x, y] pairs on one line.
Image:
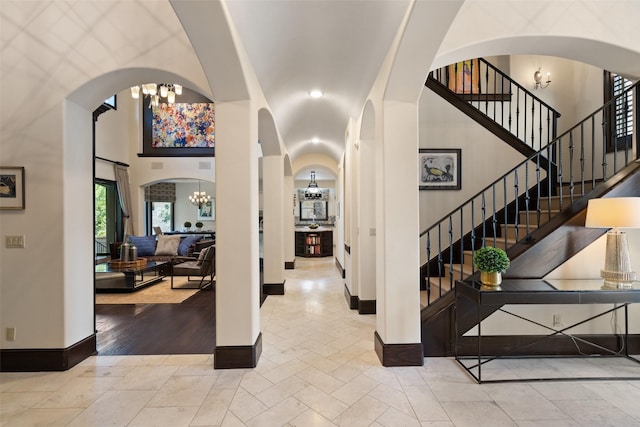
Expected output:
{"points": [[207, 212], [464, 77], [11, 187], [439, 168]]}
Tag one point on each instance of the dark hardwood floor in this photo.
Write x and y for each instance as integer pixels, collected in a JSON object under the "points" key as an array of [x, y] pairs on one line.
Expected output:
{"points": [[185, 328]]}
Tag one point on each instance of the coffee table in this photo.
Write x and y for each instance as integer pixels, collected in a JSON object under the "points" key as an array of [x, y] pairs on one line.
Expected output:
{"points": [[128, 279]]}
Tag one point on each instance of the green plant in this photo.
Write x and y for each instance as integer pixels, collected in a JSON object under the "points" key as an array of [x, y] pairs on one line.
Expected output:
{"points": [[490, 259], [187, 224], [199, 224]]}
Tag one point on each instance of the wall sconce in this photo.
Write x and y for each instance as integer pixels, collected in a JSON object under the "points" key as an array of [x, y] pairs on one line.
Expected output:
{"points": [[537, 76], [615, 213]]}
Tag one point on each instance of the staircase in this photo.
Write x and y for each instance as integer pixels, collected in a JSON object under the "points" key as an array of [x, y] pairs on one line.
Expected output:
{"points": [[529, 212]]}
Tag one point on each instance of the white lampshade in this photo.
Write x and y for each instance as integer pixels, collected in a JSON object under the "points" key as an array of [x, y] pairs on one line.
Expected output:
{"points": [[163, 91], [171, 97], [615, 212], [178, 89], [152, 88], [135, 92]]}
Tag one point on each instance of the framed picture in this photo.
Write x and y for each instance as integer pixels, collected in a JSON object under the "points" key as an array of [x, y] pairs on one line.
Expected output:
{"points": [[207, 212], [439, 168], [464, 77], [11, 187]]}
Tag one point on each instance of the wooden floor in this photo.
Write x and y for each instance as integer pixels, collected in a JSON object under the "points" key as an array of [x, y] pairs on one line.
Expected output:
{"points": [[186, 328]]}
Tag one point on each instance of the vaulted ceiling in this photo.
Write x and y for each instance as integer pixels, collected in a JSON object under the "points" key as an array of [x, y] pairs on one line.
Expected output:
{"points": [[334, 46]]}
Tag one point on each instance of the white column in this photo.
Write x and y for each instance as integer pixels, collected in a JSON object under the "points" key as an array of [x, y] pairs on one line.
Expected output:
{"points": [[367, 222], [288, 232], [354, 227], [272, 204], [237, 268], [397, 251]]}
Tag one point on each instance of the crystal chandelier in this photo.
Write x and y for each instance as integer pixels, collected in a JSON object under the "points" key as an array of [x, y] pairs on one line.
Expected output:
{"points": [[155, 92], [199, 198]]}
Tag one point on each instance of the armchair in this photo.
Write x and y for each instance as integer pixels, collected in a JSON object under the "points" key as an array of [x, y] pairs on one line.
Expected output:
{"points": [[203, 266]]}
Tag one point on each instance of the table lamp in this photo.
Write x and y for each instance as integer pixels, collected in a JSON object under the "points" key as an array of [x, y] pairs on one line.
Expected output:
{"points": [[615, 213]]}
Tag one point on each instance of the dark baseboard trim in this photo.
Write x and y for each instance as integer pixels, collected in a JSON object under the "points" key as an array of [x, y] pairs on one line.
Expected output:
{"points": [[340, 269], [238, 356], [273, 288], [366, 306], [47, 359], [560, 345], [290, 265], [352, 301], [347, 248], [398, 354]]}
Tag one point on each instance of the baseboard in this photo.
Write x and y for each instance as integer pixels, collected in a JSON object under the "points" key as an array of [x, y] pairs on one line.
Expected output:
{"points": [[398, 354], [290, 265], [342, 271], [47, 359], [366, 306], [273, 288], [238, 356], [352, 301]]}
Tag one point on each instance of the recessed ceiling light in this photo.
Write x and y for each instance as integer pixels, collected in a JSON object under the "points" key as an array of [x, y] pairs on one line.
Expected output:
{"points": [[316, 93], [315, 140]]}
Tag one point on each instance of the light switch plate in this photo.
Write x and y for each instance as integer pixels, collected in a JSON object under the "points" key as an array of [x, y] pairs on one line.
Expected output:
{"points": [[15, 242]]}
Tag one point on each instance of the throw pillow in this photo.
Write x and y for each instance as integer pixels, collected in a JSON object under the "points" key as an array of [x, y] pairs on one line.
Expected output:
{"points": [[167, 245], [146, 244], [203, 255], [185, 244]]}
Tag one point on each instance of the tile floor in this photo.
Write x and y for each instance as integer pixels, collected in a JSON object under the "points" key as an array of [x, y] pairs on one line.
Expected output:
{"points": [[318, 368]]}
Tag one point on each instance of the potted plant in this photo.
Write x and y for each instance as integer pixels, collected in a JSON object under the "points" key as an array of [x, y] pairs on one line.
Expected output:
{"points": [[187, 225], [199, 225], [491, 262]]}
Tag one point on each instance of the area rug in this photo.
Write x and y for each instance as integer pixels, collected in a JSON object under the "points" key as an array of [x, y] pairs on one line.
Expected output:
{"points": [[159, 293]]}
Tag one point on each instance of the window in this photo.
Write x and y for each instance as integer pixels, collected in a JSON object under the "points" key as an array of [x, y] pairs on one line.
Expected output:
{"points": [[620, 126], [159, 214], [108, 216]]}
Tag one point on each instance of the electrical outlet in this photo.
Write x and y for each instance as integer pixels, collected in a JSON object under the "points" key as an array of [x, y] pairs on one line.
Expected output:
{"points": [[11, 334], [556, 320]]}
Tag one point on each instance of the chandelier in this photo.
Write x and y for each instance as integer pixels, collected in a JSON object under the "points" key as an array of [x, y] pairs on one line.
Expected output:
{"points": [[312, 191], [199, 198], [154, 92]]}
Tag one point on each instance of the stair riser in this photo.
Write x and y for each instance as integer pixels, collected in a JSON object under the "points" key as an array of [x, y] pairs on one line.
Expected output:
{"points": [[533, 217], [510, 231]]}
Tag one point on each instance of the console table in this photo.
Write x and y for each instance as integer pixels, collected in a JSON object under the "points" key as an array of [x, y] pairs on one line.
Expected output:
{"points": [[536, 291]]}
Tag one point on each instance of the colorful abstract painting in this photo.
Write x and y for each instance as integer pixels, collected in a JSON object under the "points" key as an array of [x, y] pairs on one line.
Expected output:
{"points": [[183, 125]]}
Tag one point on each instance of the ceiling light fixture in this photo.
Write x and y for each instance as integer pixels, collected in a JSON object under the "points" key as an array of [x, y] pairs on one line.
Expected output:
{"points": [[312, 191], [315, 140], [155, 92], [316, 93]]}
